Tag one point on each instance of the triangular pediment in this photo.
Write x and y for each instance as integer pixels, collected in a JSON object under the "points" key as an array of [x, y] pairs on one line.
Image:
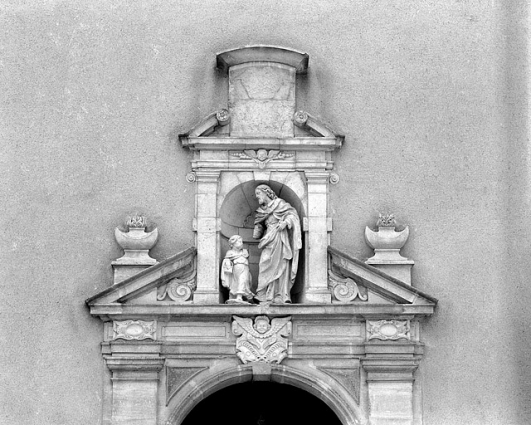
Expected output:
{"points": [[380, 288], [148, 280]]}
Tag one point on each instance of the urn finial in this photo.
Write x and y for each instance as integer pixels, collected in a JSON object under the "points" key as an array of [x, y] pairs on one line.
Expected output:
{"points": [[136, 243], [387, 243]]}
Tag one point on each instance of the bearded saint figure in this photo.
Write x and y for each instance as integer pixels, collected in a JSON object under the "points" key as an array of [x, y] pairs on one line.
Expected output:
{"points": [[277, 225]]}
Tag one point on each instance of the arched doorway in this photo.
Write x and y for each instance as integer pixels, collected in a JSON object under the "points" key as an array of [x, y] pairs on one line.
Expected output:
{"points": [[261, 403]]}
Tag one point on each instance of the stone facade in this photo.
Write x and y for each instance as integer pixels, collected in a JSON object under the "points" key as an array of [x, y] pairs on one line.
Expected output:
{"points": [[351, 329], [432, 98]]}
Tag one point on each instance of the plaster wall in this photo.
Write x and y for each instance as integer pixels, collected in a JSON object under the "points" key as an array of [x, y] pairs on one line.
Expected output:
{"points": [[432, 99]]}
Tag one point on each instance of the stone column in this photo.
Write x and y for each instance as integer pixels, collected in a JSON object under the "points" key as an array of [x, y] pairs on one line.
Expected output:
{"points": [[207, 226], [317, 278], [390, 384], [135, 381]]}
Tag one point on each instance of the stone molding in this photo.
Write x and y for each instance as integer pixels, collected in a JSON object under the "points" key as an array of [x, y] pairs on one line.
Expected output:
{"points": [[297, 374], [262, 53]]}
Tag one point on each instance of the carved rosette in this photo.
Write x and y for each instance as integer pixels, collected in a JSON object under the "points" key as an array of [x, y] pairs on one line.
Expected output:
{"points": [[262, 341], [343, 289], [334, 178], [179, 289], [134, 330], [388, 329]]}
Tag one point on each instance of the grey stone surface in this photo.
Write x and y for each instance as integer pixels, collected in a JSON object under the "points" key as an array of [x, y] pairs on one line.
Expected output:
{"points": [[432, 97]]}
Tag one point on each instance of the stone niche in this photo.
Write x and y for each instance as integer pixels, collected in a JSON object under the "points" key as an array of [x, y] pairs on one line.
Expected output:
{"points": [[352, 334], [261, 139]]}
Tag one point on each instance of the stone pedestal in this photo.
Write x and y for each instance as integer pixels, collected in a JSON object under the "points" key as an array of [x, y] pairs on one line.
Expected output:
{"points": [[390, 368], [135, 380]]}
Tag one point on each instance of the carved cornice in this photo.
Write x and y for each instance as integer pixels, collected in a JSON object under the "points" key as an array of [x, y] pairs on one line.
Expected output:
{"points": [[262, 53], [290, 143]]}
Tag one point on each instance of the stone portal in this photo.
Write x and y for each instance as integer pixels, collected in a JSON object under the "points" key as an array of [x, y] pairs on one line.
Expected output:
{"points": [[351, 339]]}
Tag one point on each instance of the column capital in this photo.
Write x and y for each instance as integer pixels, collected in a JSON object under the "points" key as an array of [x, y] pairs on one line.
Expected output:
{"points": [[382, 368], [317, 176], [207, 176]]}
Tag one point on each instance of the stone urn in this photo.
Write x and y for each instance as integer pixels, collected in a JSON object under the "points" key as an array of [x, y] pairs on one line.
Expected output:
{"points": [[386, 242], [136, 243]]}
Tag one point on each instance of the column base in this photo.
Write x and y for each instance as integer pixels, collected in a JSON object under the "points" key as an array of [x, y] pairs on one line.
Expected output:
{"points": [[207, 297], [317, 297]]}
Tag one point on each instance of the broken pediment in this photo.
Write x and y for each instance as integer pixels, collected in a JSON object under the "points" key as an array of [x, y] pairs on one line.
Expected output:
{"points": [[167, 288], [373, 285], [178, 267]]}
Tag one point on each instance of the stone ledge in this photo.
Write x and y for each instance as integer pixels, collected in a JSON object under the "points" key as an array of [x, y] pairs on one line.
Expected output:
{"points": [[261, 53], [290, 143], [223, 312]]}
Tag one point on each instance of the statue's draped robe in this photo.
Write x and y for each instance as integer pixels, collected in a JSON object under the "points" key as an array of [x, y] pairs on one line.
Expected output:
{"points": [[280, 251], [235, 273]]}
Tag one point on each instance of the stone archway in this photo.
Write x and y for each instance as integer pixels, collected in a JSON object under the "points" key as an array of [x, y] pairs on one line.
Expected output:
{"points": [[261, 403], [309, 380]]}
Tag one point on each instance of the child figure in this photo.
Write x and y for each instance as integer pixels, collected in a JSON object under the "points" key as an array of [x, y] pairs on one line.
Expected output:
{"points": [[235, 275]]}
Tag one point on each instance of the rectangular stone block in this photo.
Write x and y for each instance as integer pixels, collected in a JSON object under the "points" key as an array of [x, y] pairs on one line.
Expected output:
{"points": [[134, 402], [327, 331], [206, 205], [261, 99], [391, 402], [201, 331]]}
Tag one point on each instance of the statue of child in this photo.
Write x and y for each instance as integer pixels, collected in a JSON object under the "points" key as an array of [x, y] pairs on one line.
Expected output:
{"points": [[235, 275]]}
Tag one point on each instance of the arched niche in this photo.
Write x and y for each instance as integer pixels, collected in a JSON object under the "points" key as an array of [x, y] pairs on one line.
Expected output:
{"points": [[237, 207], [312, 381]]}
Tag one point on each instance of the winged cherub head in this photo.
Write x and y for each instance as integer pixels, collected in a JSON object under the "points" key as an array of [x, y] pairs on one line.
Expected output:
{"points": [[261, 324]]}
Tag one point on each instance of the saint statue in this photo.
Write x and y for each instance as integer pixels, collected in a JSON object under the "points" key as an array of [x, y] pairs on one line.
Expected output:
{"points": [[277, 225], [235, 274]]}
